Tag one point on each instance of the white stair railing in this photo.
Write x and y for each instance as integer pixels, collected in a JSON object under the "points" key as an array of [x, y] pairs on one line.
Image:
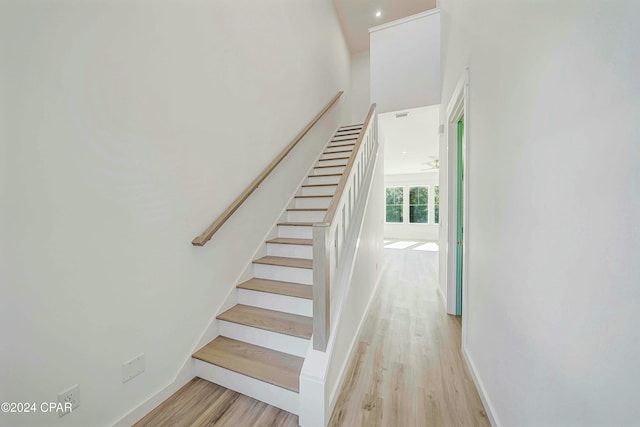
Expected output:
{"points": [[335, 238]]}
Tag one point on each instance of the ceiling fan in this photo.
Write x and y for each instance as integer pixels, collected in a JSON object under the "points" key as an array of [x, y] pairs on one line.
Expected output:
{"points": [[432, 165]]}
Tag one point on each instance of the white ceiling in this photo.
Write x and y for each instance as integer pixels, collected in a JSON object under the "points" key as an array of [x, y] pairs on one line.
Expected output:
{"points": [[410, 142], [357, 16]]}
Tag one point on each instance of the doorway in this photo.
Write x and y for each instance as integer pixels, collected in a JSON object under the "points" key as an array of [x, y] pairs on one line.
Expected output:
{"points": [[457, 146], [459, 214]]}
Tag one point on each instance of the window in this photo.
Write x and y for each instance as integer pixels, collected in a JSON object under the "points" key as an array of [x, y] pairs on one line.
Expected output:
{"points": [[412, 204], [436, 204], [418, 199], [394, 204]]}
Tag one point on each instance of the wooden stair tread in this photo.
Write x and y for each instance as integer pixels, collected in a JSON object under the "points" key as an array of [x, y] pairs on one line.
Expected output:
{"points": [[321, 185], [273, 367], [269, 320], [341, 145], [297, 224], [334, 158], [312, 197], [291, 241], [335, 152], [325, 174], [345, 139], [306, 209], [330, 166], [285, 261], [357, 125], [277, 287]]}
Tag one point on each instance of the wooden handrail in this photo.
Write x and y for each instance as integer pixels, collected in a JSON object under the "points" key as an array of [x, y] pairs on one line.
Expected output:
{"points": [[331, 211], [203, 238]]}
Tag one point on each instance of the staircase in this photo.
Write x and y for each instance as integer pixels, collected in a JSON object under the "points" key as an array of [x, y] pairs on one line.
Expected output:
{"points": [[264, 338]]}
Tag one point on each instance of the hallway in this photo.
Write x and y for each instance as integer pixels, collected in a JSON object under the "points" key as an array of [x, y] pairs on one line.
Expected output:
{"points": [[407, 368]]}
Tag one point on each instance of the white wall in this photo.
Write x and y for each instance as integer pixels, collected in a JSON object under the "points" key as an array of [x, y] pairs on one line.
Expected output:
{"points": [[406, 230], [405, 62], [360, 86], [127, 128], [552, 297]]}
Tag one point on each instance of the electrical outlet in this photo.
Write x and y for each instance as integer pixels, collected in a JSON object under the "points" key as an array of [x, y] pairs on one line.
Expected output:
{"points": [[69, 400], [132, 368]]}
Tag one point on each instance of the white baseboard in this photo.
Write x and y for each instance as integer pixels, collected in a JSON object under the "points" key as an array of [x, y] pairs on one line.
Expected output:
{"points": [[488, 408], [185, 375]]}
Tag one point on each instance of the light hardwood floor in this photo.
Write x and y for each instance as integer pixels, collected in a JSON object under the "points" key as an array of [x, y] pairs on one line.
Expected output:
{"points": [[407, 368], [201, 403]]}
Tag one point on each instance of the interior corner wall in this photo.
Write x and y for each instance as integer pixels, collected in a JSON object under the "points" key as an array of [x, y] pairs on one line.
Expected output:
{"points": [[127, 127], [405, 63], [360, 86], [552, 296]]}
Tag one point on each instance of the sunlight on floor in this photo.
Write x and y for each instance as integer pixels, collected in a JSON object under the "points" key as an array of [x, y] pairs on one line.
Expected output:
{"points": [[399, 245], [421, 246], [432, 247]]}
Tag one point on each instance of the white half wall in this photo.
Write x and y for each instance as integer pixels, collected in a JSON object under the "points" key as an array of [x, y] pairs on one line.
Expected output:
{"points": [[360, 87], [324, 372], [405, 62], [551, 306], [127, 127]]}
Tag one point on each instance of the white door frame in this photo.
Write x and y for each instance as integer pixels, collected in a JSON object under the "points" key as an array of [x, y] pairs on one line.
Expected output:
{"points": [[457, 107]]}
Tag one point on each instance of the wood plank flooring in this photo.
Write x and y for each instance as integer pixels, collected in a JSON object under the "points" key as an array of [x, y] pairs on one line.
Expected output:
{"points": [[201, 403], [407, 369]]}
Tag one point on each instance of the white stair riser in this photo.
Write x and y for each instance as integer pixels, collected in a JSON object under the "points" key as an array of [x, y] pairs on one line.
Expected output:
{"points": [[272, 340], [284, 274], [290, 251], [295, 232], [270, 301], [314, 203], [331, 150], [333, 162], [305, 216], [259, 390], [323, 180], [325, 190], [337, 154], [325, 171]]}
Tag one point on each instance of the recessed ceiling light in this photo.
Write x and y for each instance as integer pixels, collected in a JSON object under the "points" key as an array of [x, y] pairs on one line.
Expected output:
{"points": [[378, 13], [404, 152]]}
